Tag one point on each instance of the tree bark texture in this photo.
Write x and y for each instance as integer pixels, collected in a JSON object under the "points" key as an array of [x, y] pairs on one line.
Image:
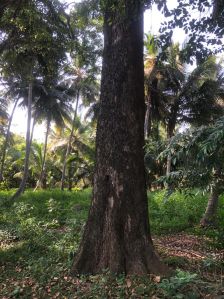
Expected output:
{"points": [[28, 145], [117, 234]]}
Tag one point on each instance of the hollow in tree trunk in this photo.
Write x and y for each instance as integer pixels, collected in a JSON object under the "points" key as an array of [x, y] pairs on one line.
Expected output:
{"points": [[28, 145], [117, 235]]}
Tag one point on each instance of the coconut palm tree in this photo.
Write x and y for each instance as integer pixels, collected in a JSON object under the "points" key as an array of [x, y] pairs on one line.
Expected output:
{"points": [[178, 96], [81, 159], [52, 105], [7, 136], [150, 62], [86, 88]]}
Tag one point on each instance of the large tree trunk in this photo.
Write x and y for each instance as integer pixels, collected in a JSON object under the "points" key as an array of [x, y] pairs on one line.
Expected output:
{"points": [[7, 141], [117, 235], [68, 150], [28, 145], [40, 182]]}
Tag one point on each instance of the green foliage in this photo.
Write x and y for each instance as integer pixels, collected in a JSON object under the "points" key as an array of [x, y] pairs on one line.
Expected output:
{"points": [[178, 286], [201, 20], [35, 34], [176, 212], [41, 230], [198, 157]]}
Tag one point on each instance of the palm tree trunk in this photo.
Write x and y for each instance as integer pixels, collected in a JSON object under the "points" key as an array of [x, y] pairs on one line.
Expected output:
{"points": [[210, 213], [68, 150], [70, 180], [28, 145], [147, 126], [170, 131], [6, 141], [32, 131], [41, 177], [169, 158]]}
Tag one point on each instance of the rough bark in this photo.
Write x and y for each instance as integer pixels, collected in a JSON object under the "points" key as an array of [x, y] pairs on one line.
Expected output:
{"points": [[68, 150], [28, 146], [40, 182], [117, 234], [7, 141], [210, 214]]}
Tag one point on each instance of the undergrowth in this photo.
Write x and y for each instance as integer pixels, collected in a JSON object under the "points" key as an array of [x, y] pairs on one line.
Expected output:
{"points": [[40, 232]]}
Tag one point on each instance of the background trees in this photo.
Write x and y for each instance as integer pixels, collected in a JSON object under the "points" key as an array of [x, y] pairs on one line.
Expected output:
{"points": [[198, 156], [50, 62]]}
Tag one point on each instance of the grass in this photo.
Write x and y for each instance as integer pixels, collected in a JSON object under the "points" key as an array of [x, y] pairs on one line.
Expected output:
{"points": [[40, 232]]}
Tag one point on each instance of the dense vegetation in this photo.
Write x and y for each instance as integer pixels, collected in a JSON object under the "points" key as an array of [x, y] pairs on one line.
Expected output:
{"points": [[40, 232], [117, 115]]}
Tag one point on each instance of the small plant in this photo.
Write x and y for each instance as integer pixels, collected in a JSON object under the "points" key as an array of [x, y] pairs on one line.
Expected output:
{"points": [[179, 286]]}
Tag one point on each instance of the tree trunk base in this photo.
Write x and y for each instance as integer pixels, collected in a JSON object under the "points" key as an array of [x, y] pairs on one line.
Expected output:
{"points": [[117, 242], [206, 223], [148, 263]]}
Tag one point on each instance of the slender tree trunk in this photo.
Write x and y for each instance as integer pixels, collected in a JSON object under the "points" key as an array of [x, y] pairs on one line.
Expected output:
{"points": [[7, 141], [210, 213], [43, 166], [68, 150], [147, 126], [151, 84], [170, 132], [117, 234], [70, 179], [28, 145], [32, 131]]}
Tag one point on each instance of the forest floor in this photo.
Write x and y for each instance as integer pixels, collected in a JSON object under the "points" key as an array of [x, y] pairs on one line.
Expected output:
{"points": [[40, 232]]}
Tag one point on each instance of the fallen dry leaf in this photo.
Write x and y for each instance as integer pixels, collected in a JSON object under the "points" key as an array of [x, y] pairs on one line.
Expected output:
{"points": [[157, 279]]}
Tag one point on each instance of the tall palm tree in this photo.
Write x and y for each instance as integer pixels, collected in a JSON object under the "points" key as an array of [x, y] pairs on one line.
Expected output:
{"points": [[85, 87], [4, 118], [28, 142], [178, 95], [15, 90], [52, 105], [150, 62], [7, 136], [81, 159]]}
